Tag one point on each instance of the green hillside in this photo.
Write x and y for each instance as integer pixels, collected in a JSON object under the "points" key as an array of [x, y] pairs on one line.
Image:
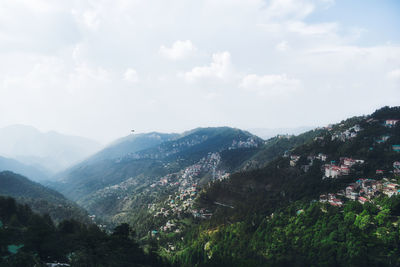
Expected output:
{"points": [[289, 213], [221, 196], [28, 239], [130, 144], [36, 174], [152, 178], [151, 163], [41, 199]]}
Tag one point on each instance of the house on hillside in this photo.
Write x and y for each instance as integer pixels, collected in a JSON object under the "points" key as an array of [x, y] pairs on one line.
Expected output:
{"points": [[396, 164], [321, 157], [391, 122], [332, 171], [348, 161], [293, 160], [323, 198], [390, 189], [383, 139], [351, 191], [362, 200], [344, 170], [335, 202]]}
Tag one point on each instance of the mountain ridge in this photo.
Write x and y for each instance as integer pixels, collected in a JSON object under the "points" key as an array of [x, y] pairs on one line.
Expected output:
{"points": [[50, 150]]}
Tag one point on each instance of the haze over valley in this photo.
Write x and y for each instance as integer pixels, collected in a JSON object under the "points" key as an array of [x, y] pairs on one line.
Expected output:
{"points": [[199, 133]]}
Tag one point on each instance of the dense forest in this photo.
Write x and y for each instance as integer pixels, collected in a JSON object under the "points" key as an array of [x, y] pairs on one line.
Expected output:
{"points": [[29, 239], [302, 234], [40, 199]]}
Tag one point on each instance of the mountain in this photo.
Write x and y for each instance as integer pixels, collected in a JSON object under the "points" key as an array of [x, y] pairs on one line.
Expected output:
{"points": [[130, 144], [41, 199], [121, 189], [51, 151], [15, 166], [96, 184], [332, 201], [104, 169], [222, 196]]}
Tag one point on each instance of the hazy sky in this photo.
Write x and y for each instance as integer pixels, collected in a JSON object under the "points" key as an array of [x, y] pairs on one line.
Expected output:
{"points": [[101, 68]]}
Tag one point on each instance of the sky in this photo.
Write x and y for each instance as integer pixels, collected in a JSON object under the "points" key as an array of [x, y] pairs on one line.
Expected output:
{"points": [[102, 68]]}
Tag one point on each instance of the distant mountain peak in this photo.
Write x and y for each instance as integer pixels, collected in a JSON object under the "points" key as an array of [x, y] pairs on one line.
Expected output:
{"points": [[50, 150]]}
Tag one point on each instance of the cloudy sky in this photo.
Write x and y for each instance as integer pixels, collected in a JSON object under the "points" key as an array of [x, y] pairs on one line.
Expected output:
{"points": [[101, 68]]}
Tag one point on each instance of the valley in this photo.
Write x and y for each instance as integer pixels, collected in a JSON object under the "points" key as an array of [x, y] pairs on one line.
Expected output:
{"points": [[191, 198]]}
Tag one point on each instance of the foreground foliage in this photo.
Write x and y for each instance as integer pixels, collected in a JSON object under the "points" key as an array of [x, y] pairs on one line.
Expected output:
{"points": [[302, 235], [28, 239]]}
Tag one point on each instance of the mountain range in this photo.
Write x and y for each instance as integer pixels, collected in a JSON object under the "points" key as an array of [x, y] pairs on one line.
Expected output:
{"points": [[117, 184], [50, 152], [222, 196]]}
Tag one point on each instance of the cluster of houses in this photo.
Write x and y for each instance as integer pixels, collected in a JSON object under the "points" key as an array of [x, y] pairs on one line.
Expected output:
{"points": [[168, 227], [182, 202], [391, 122], [185, 177], [363, 190], [293, 160], [331, 199], [164, 181], [250, 142], [382, 139], [333, 171], [201, 213], [186, 182], [310, 160], [285, 136], [347, 134]]}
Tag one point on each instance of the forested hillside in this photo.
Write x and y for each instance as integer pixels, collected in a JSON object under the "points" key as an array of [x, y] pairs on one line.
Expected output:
{"points": [[28, 239], [223, 197], [123, 190], [332, 201], [41, 199]]}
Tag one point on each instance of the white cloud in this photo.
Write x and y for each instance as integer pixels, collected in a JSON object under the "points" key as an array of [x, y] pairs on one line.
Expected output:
{"points": [[91, 19], [80, 58], [394, 74], [271, 85], [282, 46], [131, 75], [311, 29], [292, 9], [220, 68], [179, 50]]}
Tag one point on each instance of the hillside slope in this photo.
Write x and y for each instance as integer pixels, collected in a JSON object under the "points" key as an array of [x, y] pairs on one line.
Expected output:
{"points": [[28, 239], [333, 201], [36, 174], [130, 144], [41, 199], [123, 189], [157, 161]]}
